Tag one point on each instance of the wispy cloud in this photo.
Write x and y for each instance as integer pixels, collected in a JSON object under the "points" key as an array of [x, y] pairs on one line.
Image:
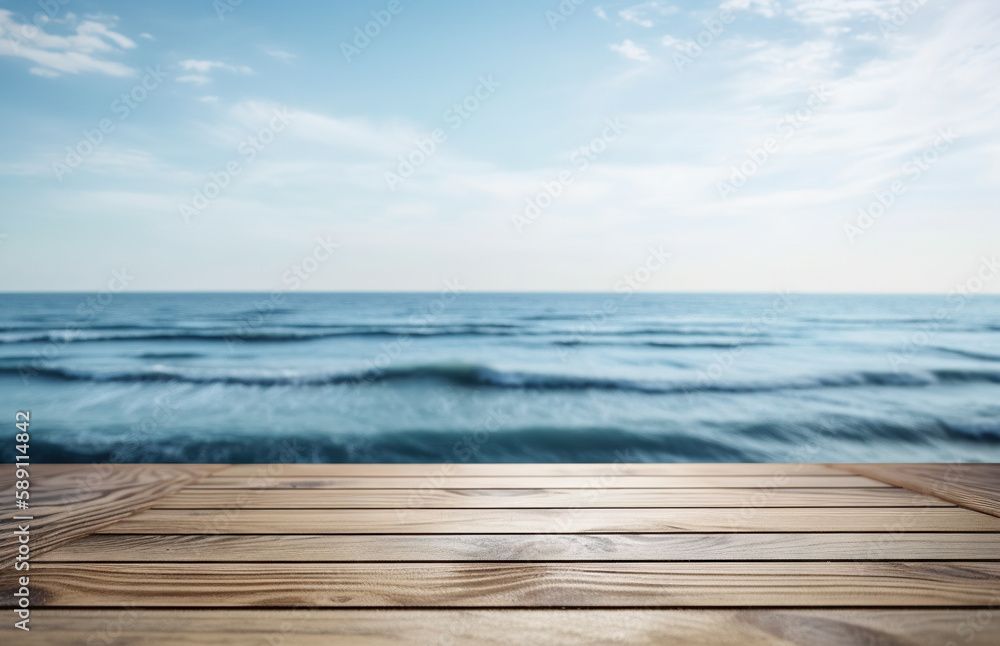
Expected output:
{"points": [[202, 69], [766, 8], [817, 12], [628, 49], [282, 55], [53, 55], [644, 14]]}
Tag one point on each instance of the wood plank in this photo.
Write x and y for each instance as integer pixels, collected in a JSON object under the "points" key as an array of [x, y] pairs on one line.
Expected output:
{"points": [[313, 627], [120, 548], [546, 521], [73, 483], [69, 503], [525, 469], [975, 486], [533, 482], [544, 498], [499, 585]]}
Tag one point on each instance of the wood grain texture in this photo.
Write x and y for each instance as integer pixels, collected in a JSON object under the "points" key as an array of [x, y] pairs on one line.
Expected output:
{"points": [[513, 585], [313, 627], [544, 498], [491, 554], [64, 484], [70, 501], [117, 548], [526, 469], [975, 486], [535, 482], [551, 521]]}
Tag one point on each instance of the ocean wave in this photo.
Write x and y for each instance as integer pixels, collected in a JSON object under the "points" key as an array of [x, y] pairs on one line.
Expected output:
{"points": [[673, 345], [736, 441], [722, 345], [478, 376], [969, 354], [313, 332], [417, 445], [169, 355], [238, 335]]}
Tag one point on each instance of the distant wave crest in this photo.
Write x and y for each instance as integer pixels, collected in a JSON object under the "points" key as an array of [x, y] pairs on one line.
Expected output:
{"points": [[477, 376]]}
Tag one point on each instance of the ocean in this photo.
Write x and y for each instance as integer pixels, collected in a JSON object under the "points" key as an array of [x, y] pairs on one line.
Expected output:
{"points": [[473, 377]]}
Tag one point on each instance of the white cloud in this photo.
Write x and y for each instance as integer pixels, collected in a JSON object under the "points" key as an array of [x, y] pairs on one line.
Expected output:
{"points": [[818, 12], [600, 13], [827, 11], [146, 36], [209, 99], [204, 67], [631, 51], [42, 71], [202, 70], [197, 79], [83, 51], [631, 16], [880, 114], [642, 14], [343, 133], [677, 43], [766, 8], [277, 53]]}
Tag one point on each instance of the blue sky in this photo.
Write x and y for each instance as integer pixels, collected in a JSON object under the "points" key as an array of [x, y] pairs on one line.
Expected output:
{"points": [[804, 145]]}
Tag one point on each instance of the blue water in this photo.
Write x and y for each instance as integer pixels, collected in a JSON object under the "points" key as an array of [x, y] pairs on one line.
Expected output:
{"points": [[485, 377]]}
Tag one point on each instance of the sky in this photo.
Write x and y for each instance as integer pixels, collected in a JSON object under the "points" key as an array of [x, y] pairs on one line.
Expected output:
{"points": [[516, 145]]}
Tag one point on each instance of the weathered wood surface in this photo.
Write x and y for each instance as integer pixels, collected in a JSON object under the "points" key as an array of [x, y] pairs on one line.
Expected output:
{"points": [[518, 585], [118, 548], [489, 554], [316, 627], [415, 483], [533, 470], [545, 498], [551, 521], [69, 501], [975, 486]]}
